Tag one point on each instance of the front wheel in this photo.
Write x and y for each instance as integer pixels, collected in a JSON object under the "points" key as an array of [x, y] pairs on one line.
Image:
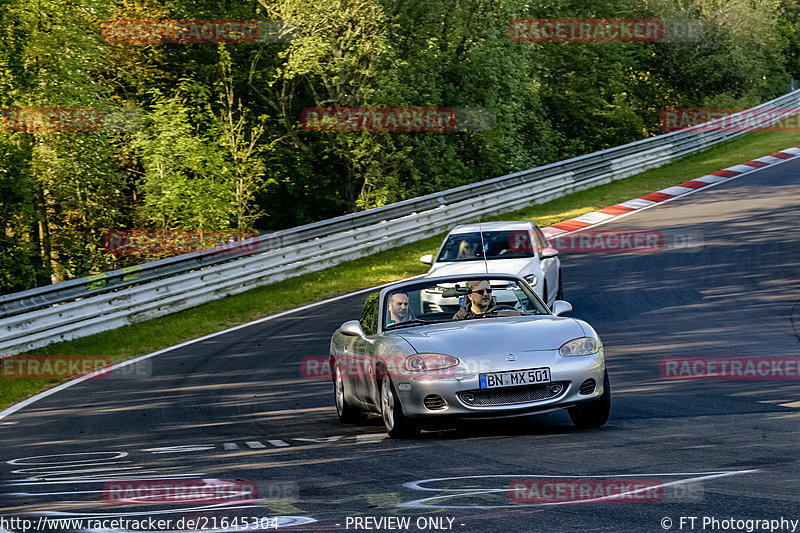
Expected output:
{"points": [[396, 423], [347, 413], [595, 413]]}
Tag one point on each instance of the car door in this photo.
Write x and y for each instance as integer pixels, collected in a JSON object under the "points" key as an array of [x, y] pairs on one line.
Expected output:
{"points": [[549, 266], [361, 360]]}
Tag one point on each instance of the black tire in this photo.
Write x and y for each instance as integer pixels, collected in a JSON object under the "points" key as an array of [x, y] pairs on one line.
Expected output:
{"points": [[347, 413], [395, 422], [560, 293], [593, 414]]}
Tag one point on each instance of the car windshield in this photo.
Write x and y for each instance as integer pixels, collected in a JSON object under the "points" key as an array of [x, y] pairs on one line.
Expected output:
{"points": [[429, 302], [507, 244]]}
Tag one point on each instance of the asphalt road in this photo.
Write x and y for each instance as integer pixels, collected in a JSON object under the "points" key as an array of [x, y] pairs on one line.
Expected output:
{"points": [[236, 407]]}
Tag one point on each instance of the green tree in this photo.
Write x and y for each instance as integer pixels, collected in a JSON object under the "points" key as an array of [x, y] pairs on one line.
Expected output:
{"points": [[51, 60], [240, 136], [184, 181], [739, 55]]}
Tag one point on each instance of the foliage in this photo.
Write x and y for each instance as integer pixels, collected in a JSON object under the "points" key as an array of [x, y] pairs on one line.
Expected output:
{"points": [[221, 145]]}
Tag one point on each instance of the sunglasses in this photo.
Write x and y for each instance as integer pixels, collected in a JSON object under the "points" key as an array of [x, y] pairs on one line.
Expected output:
{"points": [[483, 291]]}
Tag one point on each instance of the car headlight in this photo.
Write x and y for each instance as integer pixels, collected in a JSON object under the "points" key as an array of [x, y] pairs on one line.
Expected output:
{"points": [[429, 362], [580, 346], [531, 279]]}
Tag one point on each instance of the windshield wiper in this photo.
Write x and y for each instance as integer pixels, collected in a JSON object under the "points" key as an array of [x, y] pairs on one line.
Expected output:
{"points": [[413, 322]]}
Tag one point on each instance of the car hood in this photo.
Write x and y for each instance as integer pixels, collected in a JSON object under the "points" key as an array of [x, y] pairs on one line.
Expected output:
{"points": [[493, 335], [502, 266]]}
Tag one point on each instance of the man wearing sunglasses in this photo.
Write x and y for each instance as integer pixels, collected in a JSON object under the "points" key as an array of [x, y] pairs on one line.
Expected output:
{"points": [[398, 308], [477, 301]]}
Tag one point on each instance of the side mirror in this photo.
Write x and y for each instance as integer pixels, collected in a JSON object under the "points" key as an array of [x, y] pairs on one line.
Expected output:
{"points": [[561, 306], [352, 328], [547, 253], [427, 259]]}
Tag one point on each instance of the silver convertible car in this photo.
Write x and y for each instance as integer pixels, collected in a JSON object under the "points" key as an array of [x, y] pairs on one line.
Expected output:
{"points": [[490, 349]]}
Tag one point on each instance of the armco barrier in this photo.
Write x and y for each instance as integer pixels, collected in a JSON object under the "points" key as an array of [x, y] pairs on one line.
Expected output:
{"points": [[85, 306]]}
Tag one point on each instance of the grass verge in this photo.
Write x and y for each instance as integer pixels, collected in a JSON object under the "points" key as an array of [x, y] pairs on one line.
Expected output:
{"points": [[398, 263]]}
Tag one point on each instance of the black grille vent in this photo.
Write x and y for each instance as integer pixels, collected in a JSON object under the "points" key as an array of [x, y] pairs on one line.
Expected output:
{"points": [[434, 402], [510, 396], [587, 387]]}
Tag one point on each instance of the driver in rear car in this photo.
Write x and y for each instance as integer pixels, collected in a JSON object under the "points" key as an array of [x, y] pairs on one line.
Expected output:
{"points": [[477, 301]]}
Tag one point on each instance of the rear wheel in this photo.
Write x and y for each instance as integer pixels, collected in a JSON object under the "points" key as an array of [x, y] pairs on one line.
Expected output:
{"points": [[595, 413], [347, 413], [396, 423]]}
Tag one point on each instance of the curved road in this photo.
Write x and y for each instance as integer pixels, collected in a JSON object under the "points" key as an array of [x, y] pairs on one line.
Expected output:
{"points": [[236, 407]]}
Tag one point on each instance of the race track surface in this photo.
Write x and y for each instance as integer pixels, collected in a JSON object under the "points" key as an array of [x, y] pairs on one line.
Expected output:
{"points": [[236, 407]]}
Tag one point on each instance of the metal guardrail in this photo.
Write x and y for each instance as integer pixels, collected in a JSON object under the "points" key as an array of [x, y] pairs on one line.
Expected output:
{"points": [[85, 306]]}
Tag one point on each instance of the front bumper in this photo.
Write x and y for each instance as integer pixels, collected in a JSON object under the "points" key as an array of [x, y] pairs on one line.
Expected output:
{"points": [[568, 372]]}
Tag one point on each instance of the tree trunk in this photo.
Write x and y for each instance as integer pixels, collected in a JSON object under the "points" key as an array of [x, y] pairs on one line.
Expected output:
{"points": [[45, 243]]}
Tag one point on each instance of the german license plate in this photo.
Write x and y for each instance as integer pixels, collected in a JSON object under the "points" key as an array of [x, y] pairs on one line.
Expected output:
{"points": [[515, 378]]}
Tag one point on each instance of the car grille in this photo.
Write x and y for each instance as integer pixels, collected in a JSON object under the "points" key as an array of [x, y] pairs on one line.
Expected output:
{"points": [[587, 387], [434, 402], [510, 396]]}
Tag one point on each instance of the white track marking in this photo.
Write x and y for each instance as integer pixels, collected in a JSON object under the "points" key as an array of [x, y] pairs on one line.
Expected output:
{"points": [[70, 473], [768, 159], [675, 190], [255, 444], [215, 507], [370, 438], [181, 449], [321, 440], [426, 502], [594, 217], [550, 231], [64, 493], [230, 446], [26, 461], [20, 494], [63, 481], [711, 179], [743, 168], [278, 443], [637, 203]]}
